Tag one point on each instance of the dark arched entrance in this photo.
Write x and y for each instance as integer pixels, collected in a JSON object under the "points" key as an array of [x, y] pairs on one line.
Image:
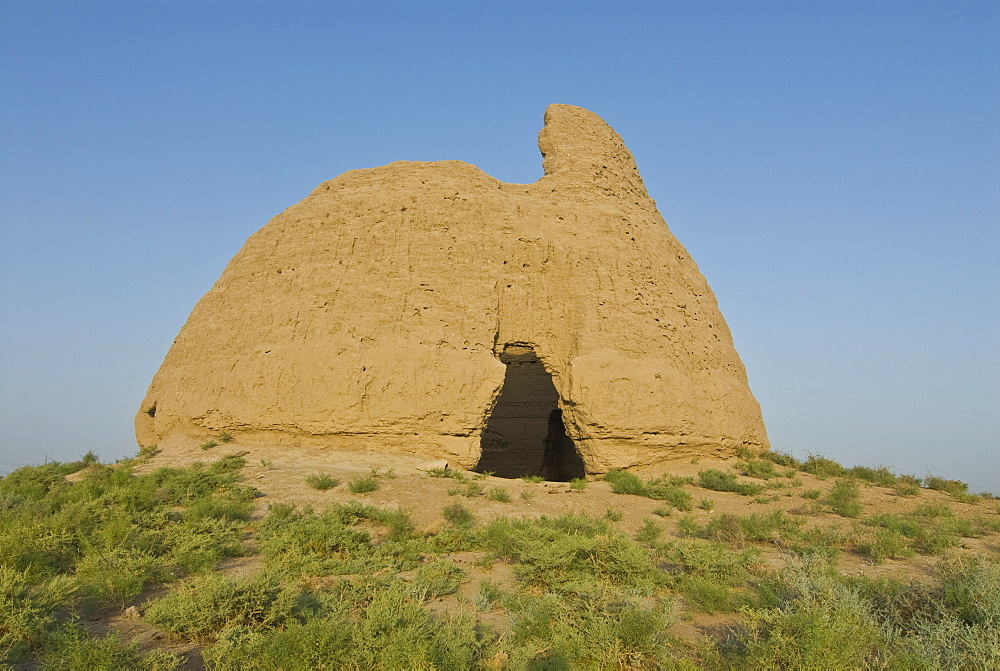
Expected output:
{"points": [[524, 433]]}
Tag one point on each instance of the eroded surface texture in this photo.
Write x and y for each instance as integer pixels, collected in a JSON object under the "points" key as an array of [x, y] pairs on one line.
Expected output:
{"points": [[375, 313]]}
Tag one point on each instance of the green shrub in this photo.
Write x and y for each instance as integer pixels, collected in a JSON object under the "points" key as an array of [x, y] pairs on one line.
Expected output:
{"points": [[202, 608], [533, 478], [499, 494], [226, 437], [72, 647], [756, 528], [579, 484], [664, 511], [362, 484], [322, 481], [614, 515], [720, 481], [843, 498], [599, 631], [811, 494], [781, 459], [818, 623], [468, 490], [458, 515], [822, 467], [687, 525], [208, 445], [570, 553], [885, 544], [388, 630], [649, 533], [623, 482], [757, 468], [437, 578], [881, 476], [952, 487]]}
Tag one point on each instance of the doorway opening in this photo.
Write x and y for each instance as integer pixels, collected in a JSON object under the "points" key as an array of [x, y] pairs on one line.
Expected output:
{"points": [[524, 433]]}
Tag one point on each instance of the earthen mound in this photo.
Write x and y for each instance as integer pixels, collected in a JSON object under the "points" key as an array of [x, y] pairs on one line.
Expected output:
{"points": [[555, 328]]}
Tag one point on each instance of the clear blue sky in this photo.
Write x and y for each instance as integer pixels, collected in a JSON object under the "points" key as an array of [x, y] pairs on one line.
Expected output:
{"points": [[833, 167]]}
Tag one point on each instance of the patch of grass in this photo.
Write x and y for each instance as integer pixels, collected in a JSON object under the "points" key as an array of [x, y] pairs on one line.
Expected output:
{"points": [[578, 484], [664, 511], [446, 473], [527, 495], [203, 607], [362, 484], [225, 437], [811, 494], [721, 481], [488, 595], [533, 478], [498, 494], [843, 499], [468, 490], [614, 515], [649, 532], [687, 525], [756, 528], [207, 445], [459, 515], [667, 488], [706, 504], [437, 578], [322, 481]]}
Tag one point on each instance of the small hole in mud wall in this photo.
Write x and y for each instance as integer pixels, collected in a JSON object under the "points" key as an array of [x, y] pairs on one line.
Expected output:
{"points": [[525, 434], [152, 410]]}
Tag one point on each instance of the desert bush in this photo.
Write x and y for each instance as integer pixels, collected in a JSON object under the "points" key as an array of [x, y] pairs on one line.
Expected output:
{"points": [[666, 488], [781, 459], [907, 485], [458, 515], [885, 544], [362, 484], [202, 608], [322, 481], [337, 540], [818, 623], [437, 578], [533, 478], [207, 445], [499, 494], [811, 494], [588, 632], [721, 481], [822, 467], [614, 515], [570, 553], [579, 484], [72, 647], [623, 482], [468, 490], [390, 629], [756, 528], [757, 468], [649, 532], [952, 487], [881, 476], [843, 499]]}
